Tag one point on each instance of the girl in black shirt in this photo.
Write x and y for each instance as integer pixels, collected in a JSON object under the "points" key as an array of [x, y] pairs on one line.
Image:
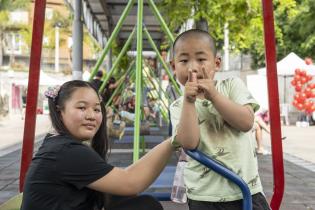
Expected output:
{"points": [[66, 174]]}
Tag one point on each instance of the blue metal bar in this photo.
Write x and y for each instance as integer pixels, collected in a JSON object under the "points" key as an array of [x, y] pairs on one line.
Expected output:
{"points": [[159, 196], [217, 167]]}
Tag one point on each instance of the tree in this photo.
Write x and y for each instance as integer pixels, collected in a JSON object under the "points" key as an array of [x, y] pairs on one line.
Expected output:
{"points": [[244, 18], [299, 34], [5, 7]]}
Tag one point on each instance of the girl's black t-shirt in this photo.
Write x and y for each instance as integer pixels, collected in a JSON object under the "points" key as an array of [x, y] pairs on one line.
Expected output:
{"points": [[59, 173]]}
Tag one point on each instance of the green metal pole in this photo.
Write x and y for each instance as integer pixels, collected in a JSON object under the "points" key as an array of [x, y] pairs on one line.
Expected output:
{"points": [[115, 65], [112, 38], [165, 117], [121, 82], [162, 61], [161, 20], [159, 85], [155, 89], [157, 95], [138, 82]]}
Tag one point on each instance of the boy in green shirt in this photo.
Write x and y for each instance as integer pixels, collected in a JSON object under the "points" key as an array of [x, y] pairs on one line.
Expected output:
{"points": [[215, 117]]}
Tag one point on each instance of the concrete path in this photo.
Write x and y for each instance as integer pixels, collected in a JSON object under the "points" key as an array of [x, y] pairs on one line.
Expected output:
{"points": [[12, 130], [299, 142], [299, 147]]}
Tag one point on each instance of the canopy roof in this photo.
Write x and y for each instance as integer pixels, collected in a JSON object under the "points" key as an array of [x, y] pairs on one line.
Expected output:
{"points": [[101, 17], [288, 64]]}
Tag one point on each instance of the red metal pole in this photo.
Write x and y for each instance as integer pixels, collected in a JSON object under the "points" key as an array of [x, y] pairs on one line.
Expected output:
{"points": [[32, 89], [273, 94]]}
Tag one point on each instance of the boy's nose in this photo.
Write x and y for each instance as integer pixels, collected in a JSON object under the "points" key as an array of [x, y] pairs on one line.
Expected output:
{"points": [[194, 67]]}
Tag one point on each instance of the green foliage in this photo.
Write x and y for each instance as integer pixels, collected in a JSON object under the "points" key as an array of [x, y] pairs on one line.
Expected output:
{"points": [[63, 22], [299, 33], [124, 61], [293, 24], [11, 5]]}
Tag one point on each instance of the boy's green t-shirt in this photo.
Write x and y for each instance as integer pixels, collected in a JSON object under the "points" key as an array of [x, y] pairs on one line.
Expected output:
{"points": [[233, 148]]}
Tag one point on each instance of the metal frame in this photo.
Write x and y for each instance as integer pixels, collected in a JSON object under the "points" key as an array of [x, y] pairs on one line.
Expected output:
{"points": [[32, 93], [273, 95], [30, 119]]}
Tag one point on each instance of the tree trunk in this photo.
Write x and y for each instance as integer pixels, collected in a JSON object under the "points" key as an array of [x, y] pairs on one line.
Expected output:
{"points": [[1, 49], [202, 24], [12, 47]]}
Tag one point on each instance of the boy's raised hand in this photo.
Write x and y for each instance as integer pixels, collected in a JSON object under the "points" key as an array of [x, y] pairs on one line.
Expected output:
{"points": [[191, 87], [207, 84]]}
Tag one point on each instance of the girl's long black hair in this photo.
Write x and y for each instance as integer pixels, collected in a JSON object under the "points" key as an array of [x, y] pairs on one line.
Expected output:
{"points": [[99, 142]]}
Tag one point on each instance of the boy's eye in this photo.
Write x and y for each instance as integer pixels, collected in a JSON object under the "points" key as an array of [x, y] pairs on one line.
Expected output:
{"points": [[201, 59], [183, 61]]}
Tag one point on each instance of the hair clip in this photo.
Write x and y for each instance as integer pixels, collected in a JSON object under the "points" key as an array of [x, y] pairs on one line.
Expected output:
{"points": [[52, 92]]}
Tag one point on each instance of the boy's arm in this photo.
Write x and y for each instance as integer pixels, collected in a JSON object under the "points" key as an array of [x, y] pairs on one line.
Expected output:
{"points": [[188, 129], [238, 116]]}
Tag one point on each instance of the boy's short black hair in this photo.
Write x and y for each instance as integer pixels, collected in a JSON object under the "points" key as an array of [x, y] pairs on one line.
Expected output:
{"points": [[194, 32]]}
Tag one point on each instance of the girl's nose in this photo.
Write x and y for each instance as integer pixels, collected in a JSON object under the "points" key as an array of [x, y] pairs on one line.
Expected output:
{"points": [[90, 115]]}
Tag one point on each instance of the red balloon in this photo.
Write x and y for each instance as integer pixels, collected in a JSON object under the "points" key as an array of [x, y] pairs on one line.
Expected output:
{"points": [[300, 106], [308, 92], [297, 78], [309, 77], [311, 86], [298, 87], [295, 103], [303, 80], [307, 104], [301, 98], [293, 82], [297, 71], [303, 73], [309, 108]]}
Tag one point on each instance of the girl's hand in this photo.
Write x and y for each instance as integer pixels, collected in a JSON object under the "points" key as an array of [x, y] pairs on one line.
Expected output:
{"points": [[207, 84], [191, 87]]}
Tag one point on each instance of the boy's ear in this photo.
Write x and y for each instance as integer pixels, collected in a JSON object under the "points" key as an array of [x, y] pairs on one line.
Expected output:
{"points": [[218, 60], [172, 64]]}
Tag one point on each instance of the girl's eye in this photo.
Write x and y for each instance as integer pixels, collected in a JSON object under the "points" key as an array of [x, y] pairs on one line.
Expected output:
{"points": [[97, 110], [183, 61], [81, 108]]}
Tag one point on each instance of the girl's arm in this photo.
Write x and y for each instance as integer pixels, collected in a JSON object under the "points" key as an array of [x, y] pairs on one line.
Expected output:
{"points": [[138, 176]]}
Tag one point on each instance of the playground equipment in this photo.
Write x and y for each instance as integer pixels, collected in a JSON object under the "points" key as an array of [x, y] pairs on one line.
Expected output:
{"points": [[30, 120]]}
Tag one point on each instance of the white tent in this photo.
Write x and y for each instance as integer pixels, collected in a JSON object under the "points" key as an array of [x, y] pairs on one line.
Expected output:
{"points": [[44, 80], [287, 66]]}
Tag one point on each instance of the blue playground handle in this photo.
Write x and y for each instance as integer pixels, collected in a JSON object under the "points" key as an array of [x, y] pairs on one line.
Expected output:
{"points": [[217, 167]]}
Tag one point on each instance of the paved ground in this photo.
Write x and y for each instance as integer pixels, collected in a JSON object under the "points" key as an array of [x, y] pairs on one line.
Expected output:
{"points": [[299, 141], [299, 165], [12, 129]]}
